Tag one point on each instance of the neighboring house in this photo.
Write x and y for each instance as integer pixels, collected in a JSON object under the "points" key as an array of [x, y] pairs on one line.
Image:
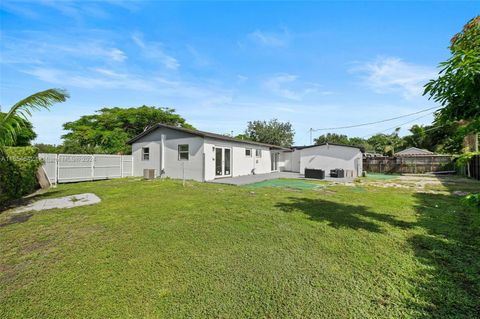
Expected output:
{"points": [[179, 152], [414, 151], [325, 156]]}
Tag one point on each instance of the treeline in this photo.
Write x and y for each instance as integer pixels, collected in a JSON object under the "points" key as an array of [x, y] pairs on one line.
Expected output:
{"points": [[446, 138]]}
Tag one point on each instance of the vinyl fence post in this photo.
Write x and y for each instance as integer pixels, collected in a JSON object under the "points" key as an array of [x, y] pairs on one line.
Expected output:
{"points": [[56, 169], [93, 167], [121, 166]]}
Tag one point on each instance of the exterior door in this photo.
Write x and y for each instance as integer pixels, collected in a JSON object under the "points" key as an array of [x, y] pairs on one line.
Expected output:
{"points": [[223, 161], [274, 157]]}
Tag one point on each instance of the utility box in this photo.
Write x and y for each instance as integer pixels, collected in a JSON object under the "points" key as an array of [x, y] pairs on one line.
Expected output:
{"points": [[149, 173]]}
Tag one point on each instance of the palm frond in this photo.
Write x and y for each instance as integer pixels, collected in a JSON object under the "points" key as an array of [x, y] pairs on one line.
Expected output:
{"points": [[41, 100], [10, 123]]}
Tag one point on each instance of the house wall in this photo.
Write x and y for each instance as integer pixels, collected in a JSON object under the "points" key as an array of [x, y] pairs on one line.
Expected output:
{"points": [[241, 164], [290, 161], [172, 165], [329, 157]]}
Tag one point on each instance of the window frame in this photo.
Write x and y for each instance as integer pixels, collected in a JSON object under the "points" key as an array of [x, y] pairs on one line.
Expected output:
{"points": [[258, 152], [145, 153], [180, 152], [250, 150]]}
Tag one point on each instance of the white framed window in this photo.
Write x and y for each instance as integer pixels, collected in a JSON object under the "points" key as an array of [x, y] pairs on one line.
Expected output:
{"points": [[183, 153], [258, 153], [248, 152], [145, 153]]}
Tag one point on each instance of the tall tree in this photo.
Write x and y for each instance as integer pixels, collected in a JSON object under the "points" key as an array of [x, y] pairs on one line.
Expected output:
{"points": [[332, 138], [15, 121], [109, 129], [457, 88], [271, 132], [386, 143]]}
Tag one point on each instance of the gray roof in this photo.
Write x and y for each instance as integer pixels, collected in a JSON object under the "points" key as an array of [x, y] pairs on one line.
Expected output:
{"points": [[202, 134], [414, 151], [336, 144]]}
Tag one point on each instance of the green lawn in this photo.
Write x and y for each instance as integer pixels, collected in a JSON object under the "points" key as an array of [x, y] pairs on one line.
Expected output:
{"points": [[155, 249]]}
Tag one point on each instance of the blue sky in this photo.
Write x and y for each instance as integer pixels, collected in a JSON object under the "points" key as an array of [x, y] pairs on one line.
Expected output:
{"points": [[221, 64]]}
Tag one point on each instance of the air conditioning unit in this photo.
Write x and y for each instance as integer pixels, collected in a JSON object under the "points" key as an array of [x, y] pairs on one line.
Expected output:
{"points": [[149, 173]]}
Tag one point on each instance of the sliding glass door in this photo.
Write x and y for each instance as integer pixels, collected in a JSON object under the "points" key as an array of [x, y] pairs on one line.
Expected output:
{"points": [[223, 161], [274, 158]]}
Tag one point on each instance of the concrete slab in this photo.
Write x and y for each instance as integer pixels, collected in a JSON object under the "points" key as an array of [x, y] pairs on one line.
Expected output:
{"points": [[61, 202], [250, 179]]}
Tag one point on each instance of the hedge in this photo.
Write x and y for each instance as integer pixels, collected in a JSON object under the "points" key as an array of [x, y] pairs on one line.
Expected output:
{"points": [[18, 168]]}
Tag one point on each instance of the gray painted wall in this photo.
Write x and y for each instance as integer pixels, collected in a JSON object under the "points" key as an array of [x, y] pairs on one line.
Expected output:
{"points": [[329, 157], [174, 167]]}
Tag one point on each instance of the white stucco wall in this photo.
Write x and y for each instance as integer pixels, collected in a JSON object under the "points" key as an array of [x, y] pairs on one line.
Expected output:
{"points": [[241, 164], [201, 164], [173, 166], [329, 157]]}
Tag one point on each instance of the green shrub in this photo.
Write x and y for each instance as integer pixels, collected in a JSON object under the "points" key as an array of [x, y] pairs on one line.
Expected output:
{"points": [[472, 200], [18, 168]]}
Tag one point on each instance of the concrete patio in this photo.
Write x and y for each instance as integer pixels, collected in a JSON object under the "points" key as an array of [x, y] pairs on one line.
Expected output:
{"points": [[251, 179]]}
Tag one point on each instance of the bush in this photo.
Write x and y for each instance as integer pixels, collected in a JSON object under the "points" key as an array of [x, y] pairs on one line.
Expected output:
{"points": [[472, 200], [18, 168]]}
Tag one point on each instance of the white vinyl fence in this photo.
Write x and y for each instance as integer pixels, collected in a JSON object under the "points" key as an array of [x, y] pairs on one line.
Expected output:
{"points": [[65, 168]]}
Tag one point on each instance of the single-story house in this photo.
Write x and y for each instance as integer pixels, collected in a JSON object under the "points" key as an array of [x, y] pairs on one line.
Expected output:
{"points": [[414, 151], [326, 156], [176, 152]]}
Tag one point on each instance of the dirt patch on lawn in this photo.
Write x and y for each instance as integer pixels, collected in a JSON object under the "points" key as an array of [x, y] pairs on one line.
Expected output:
{"points": [[426, 183]]}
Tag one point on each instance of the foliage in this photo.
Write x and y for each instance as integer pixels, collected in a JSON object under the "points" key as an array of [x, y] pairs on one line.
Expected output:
{"points": [[332, 138], [24, 129], [463, 159], [446, 138], [457, 88], [49, 148], [109, 129], [13, 122], [472, 200], [271, 132], [387, 144], [211, 251], [18, 168]]}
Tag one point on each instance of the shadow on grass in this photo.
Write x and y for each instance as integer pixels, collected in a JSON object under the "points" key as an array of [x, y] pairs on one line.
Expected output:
{"points": [[450, 250], [15, 219], [446, 243], [341, 215]]}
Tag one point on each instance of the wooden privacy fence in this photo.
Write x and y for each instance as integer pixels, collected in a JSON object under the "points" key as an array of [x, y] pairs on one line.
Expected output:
{"points": [[474, 168], [65, 168], [404, 164]]}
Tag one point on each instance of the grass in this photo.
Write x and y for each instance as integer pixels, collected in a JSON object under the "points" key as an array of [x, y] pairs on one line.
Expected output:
{"points": [[155, 249], [381, 177]]}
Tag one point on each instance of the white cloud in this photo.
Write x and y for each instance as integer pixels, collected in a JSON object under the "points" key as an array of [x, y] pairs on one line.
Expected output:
{"points": [[393, 75], [154, 51], [102, 78], [241, 78], [287, 86], [273, 39], [56, 50]]}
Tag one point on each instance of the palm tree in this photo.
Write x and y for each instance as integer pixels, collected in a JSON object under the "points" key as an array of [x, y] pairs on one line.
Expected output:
{"points": [[11, 122]]}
